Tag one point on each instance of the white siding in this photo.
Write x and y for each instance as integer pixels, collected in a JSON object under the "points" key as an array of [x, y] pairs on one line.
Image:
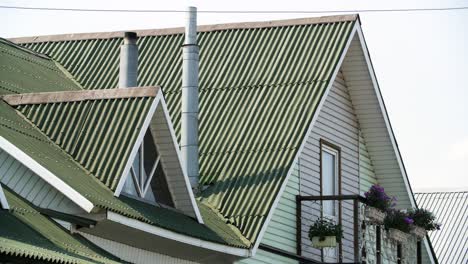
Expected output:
{"points": [[170, 162], [281, 232], [372, 123], [32, 187], [337, 124], [366, 169], [132, 254]]}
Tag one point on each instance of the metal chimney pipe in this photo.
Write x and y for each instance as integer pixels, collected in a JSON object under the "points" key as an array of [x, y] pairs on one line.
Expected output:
{"points": [[128, 61], [189, 133]]}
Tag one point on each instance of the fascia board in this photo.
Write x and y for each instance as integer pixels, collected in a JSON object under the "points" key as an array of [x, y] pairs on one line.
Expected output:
{"points": [[389, 129], [179, 158], [46, 175], [161, 232], [303, 143], [3, 199]]}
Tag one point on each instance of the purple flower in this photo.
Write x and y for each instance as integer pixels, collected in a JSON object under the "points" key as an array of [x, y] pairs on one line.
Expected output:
{"points": [[409, 221]]}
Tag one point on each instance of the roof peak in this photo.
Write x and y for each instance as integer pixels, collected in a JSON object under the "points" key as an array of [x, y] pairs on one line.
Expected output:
{"points": [[180, 30]]}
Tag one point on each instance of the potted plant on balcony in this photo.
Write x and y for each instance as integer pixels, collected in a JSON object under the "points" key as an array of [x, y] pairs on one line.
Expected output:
{"points": [[423, 221], [325, 233], [378, 202], [398, 224]]}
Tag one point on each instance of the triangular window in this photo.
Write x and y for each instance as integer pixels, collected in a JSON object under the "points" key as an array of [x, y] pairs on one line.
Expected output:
{"points": [[146, 179]]}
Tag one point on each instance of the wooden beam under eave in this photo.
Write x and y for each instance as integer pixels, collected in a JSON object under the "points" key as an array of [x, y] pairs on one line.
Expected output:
{"points": [[76, 96]]}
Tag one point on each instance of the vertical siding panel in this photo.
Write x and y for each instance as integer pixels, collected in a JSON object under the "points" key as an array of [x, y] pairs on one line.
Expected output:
{"points": [[31, 187], [338, 124]]}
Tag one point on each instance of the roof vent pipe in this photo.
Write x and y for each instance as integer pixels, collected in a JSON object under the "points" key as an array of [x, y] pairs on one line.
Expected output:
{"points": [[128, 61], [189, 133]]}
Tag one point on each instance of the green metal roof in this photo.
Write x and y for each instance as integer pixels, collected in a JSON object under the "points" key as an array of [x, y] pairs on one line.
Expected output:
{"points": [[26, 233], [23, 71], [259, 88], [29, 139], [32, 139], [98, 134]]}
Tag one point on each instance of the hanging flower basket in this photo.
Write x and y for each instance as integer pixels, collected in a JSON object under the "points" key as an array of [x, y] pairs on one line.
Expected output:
{"points": [[374, 215], [328, 241], [397, 235], [325, 233], [418, 231]]}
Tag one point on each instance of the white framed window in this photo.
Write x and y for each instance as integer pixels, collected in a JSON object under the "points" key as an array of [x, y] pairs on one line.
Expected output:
{"points": [[146, 179], [330, 176]]}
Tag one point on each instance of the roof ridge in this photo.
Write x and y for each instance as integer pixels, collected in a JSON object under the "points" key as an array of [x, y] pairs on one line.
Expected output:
{"points": [[78, 95], [180, 30], [14, 45]]}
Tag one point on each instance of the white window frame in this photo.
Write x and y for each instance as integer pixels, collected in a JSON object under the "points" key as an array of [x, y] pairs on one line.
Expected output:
{"points": [[331, 254], [139, 180]]}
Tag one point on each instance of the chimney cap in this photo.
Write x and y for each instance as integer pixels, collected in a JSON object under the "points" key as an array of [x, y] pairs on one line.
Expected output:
{"points": [[130, 37]]}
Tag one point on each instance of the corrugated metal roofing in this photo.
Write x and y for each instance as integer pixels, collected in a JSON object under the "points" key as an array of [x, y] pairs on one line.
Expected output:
{"points": [[18, 130], [451, 209], [26, 233], [29, 139], [259, 88], [98, 134], [23, 72]]}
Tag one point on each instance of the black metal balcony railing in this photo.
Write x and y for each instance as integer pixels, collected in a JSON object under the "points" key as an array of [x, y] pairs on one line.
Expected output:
{"points": [[356, 199]]}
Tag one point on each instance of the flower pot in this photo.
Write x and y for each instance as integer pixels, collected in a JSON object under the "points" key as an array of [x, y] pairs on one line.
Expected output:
{"points": [[374, 215], [397, 235], [418, 231], [329, 241]]}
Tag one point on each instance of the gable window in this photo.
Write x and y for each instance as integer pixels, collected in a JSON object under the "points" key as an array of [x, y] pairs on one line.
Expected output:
{"points": [[146, 179]]}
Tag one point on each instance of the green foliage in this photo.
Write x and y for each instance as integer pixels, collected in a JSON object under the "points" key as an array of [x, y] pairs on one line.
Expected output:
{"points": [[424, 219], [398, 220], [325, 227]]}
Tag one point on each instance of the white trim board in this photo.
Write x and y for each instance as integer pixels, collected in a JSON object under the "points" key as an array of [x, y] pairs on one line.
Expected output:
{"points": [[159, 102], [46, 175], [3, 200], [309, 131], [390, 130], [179, 158], [161, 232], [385, 116]]}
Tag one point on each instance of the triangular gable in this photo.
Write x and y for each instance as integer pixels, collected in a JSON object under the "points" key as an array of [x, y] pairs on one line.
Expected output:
{"points": [[368, 102], [375, 125], [102, 129], [159, 124]]}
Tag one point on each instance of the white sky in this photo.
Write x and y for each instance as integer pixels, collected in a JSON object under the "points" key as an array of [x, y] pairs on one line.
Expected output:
{"points": [[420, 58]]}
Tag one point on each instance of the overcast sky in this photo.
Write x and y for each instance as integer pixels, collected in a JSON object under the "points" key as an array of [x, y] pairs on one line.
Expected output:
{"points": [[420, 58]]}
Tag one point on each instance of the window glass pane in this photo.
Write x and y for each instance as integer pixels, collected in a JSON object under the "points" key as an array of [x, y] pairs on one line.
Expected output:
{"points": [[160, 188], [149, 195], [129, 186], [328, 181], [150, 152]]}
